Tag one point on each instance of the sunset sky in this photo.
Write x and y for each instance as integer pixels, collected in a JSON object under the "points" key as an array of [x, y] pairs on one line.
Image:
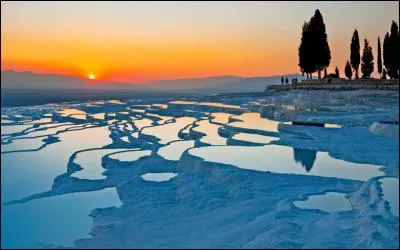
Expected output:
{"points": [[146, 41]]}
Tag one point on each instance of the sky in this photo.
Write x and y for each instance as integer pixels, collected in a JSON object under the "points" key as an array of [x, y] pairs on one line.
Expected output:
{"points": [[148, 41]]}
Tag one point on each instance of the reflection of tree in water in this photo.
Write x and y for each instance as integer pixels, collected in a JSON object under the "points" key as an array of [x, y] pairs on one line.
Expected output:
{"points": [[305, 157]]}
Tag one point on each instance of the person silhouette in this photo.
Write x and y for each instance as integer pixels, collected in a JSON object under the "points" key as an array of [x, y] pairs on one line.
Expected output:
{"points": [[282, 80], [287, 81]]}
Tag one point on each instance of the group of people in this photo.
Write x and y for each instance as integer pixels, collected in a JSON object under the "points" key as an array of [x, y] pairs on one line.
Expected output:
{"points": [[294, 81]]}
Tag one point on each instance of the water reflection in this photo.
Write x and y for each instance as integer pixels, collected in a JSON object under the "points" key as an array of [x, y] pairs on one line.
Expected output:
{"points": [[305, 156]]}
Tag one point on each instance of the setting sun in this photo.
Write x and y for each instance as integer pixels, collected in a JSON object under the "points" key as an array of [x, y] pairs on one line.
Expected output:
{"points": [[92, 77]]}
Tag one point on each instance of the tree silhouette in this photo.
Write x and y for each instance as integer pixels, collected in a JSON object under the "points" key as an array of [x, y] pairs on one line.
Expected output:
{"points": [[367, 64], [322, 53], [379, 58], [305, 157], [325, 73], [337, 72], [306, 51], [391, 51], [387, 59], [394, 43], [347, 70], [355, 52]]}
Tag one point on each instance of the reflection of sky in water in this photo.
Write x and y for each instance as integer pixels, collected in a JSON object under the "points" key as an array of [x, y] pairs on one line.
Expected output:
{"points": [[42, 120], [254, 121], [27, 173], [90, 161], [329, 202], [51, 130], [115, 102], [168, 132], [254, 138], [6, 121], [23, 144], [99, 116], [137, 110], [159, 106], [140, 123], [68, 112], [130, 155], [221, 118], [182, 102], [218, 104], [390, 190], [14, 128], [174, 150], [158, 177], [55, 220], [276, 159], [211, 130]]}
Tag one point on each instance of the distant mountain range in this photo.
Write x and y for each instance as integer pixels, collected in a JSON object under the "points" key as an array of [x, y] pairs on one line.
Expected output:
{"points": [[27, 80]]}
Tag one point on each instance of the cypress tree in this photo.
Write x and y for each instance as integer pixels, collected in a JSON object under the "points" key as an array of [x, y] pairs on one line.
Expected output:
{"points": [[367, 64], [325, 73], [394, 44], [321, 52], [355, 52], [387, 59], [347, 70], [306, 51], [337, 72], [379, 58]]}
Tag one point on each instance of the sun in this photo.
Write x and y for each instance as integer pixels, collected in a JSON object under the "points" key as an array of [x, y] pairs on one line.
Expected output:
{"points": [[91, 76]]}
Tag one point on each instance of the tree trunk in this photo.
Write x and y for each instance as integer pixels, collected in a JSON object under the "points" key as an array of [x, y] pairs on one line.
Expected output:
{"points": [[319, 74]]}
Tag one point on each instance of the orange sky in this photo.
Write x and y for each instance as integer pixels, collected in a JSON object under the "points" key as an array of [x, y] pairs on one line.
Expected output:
{"points": [[139, 41]]}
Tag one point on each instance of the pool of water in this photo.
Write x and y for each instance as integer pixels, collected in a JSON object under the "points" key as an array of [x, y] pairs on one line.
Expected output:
{"points": [[158, 177], [168, 132], [57, 220], [220, 118], [254, 121], [254, 138], [130, 155], [328, 202], [28, 173], [276, 159], [211, 133], [90, 161], [174, 150], [390, 189]]}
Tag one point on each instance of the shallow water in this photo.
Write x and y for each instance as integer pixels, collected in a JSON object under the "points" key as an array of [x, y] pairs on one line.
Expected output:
{"points": [[158, 177], [236, 211], [277, 159], [328, 202], [390, 189], [57, 220], [174, 150], [254, 138]]}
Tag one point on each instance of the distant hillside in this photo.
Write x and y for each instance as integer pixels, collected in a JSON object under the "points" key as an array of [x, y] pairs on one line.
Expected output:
{"points": [[28, 80], [220, 84]]}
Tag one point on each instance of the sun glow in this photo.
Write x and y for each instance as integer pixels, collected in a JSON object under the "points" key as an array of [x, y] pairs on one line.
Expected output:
{"points": [[91, 76]]}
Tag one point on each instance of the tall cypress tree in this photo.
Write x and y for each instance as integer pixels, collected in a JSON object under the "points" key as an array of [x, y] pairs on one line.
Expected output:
{"points": [[355, 52], [395, 50], [367, 64], [306, 51], [379, 58], [337, 72], [387, 59], [347, 70], [321, 51]]}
